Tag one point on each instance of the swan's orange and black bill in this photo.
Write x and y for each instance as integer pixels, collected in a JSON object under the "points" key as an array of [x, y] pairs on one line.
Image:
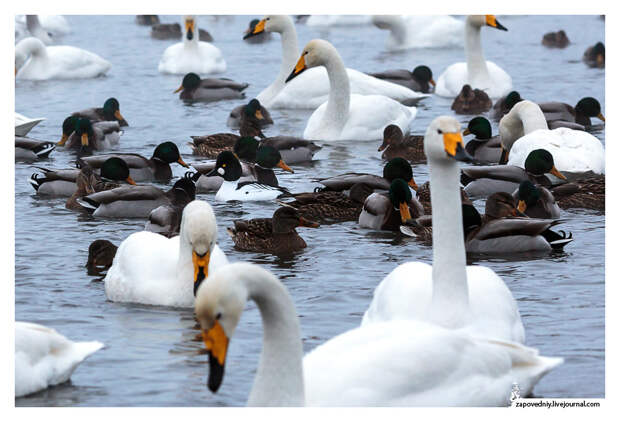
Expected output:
{"points": [[201, 268], [189, 28], [216, 343], [299, 68], [258, 29], [493, 22], [453, 145]]}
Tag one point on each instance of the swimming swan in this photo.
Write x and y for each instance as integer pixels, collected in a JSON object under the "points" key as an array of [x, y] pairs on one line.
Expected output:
{"points": [[417, 31]]}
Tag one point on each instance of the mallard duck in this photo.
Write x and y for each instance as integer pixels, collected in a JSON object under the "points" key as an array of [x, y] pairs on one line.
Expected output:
{"points": [[485, 180], [147, 20], [258, 38], [88, 136], [504, 104], [234, 118], [63, 182], [100, 256], [536, 201], [395, 363], [471, 101], [276, 235], [166, 219], [484, 148], [209, 89], [249, 121], [24, 124], [555, 39], [502, 231], [581, 193], [229, 168], [109, 112], [379, 210], [560, 114], [44, 358], [28, 149], [293, 150], [331, 206], [154, 270], [133, 201], [594, 56], [142, 169], [411, 148], [172, 31], [396, 168], [88, 181], [420, 79]]}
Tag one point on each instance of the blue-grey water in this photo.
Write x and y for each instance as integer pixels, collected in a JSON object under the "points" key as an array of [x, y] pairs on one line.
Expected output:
{"points": [[152, 356]]}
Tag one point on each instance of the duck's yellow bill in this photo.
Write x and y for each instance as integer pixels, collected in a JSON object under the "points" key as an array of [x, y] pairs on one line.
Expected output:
{"points": [[259, 115], [413, 184], [183, 163], [84, 139], [451, 141], [179, 89], [404, 212], [522, 206], [63, 140], [432, 82], [118, 115], [600, 116], [130, 180], [466, 132]]}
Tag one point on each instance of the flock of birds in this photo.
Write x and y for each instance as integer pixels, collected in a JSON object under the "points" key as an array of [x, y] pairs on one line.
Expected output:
{"points": [[465, 338]]}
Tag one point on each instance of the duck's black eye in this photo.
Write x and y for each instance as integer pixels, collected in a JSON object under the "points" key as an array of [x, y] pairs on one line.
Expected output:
{"points": [[218, 316], [439, 131]]}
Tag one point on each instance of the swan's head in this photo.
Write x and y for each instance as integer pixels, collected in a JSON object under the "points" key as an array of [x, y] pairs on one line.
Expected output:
{"points": [[589, 107], [399, 168], [168, 152], [539, 162], [269, 23], [480, 127], [190, 27], [199, 231], [315, 53], [218, 307], [485, 20], [25, 48], [385, 21], [443, 142]]}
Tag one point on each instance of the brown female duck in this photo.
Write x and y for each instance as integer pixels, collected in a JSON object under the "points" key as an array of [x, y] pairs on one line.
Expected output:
{"points": [[582, 193], [471, 101], [411, 147], [100, 256], [594, 56], [555, 39], [276, 235]]}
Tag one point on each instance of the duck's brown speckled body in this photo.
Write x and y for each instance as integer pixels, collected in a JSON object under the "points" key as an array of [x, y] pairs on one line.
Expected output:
{"points": [[410, 147], [471, 101], [582, 193], [555, 39]]}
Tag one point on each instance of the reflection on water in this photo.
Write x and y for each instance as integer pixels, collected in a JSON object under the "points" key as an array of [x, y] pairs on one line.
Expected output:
{"points": [[153, 356]]}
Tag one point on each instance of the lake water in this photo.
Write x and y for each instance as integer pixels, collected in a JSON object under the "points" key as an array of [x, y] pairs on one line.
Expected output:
{"points": [[152, 356]]}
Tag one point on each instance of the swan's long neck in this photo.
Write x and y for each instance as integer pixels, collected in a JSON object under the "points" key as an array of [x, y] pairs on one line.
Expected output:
{"points": [[525, 117], [279, 377], [31, 46], [185, 258], [398, 29], [290, 54], [477, 72], [337, 111], [450, 292]]}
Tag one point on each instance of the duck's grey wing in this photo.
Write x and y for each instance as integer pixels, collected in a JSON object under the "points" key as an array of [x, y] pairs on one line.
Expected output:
{"points": [[503, 172], [562, 123], [557, 111], [215, 83], [375, 208], [125, 193], [346, 180], [398, 74], [132, 160], [513, 227], [289, 142]]}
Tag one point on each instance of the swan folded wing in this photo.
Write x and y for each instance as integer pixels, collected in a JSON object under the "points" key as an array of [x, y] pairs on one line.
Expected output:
{"points": [[507, 173], [514, 226]]}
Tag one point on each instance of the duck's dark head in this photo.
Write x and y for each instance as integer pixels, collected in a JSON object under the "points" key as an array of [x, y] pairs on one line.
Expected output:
{"points": [[269, 157], [480, 127], [68, 127], [392, 135], [539, 162], [168, 152], [599, 53], [84, 129], [227, 166], [185, 189], [423, 74], [253, 109], [511, 99], [245, 148], [191, 81], [589, 107], [286, 219], [471, 218], [400, 196], [399, 168], [527, 195], [111, 111], [116, 169]]}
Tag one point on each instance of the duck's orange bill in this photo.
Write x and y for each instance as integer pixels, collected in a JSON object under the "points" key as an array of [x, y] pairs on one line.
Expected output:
{"points": [[259, 115], [284, 166], [307, 223], [183, 163], [85, 139], [63, 140], [432, 82], [413, 185], [557, 173], [600, 116], [216, 342], [450, 141], [404, 212], [522, 206], [179, 89], [130, 180], [118, 115], [466, 132]]}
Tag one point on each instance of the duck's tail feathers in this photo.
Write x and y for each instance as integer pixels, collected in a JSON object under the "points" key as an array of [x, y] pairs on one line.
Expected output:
{"points": [[89, 205], [44, 149]]}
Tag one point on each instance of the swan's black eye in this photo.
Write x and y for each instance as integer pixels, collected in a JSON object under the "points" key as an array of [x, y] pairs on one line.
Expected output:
{"points": [[267, 19], [218, 316], [439, 131]]}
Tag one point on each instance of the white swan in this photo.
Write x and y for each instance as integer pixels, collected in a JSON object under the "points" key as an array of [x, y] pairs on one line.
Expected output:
{"points": [[192, 55], [44, 358], [33, 60], [56, 24], [477, 72], [525, 129], [24, 124], [346, 116], [152, 269], [396, 363], [417, 31], [337, 20], [448, 293], [311, 89]]}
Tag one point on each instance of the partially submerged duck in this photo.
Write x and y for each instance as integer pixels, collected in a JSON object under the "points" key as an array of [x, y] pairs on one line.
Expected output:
{"points": [[560, 114], [595, 56], [555, 39], [172, 31], [87, 136], [209, 89], [484, 148], [166, 219], [582, 193], [28, 149], [535, 201], [147, 20], [411, 147], [276, 235], [471, 101], [87, 181], [419, 79], [100, 256], [109, 112]]}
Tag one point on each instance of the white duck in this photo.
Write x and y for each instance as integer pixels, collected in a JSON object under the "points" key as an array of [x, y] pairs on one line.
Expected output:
{"points": [[44, 358], [396, 363], [525, 129], [311, 89], [24, 124], [151, 269], [192, 55], [448, 293], [417, 31], [477, 72], [347, 116], [33, 60]]}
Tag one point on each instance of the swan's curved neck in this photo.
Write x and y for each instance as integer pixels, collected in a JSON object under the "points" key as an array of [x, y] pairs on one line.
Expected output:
{"points": [[450, 292], [337, 110], [30, 46], [279, 377], [398, 29], [290, 54], [477, 72], [525, 117]]}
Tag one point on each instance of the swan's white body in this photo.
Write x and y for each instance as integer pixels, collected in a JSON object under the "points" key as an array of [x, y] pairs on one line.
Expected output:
{"points": [[337, 20], [477, 72], [37, 62], [192, 56], [151, 269], [56, 24], [44, 358], [345, 116], [525, 129], [449, 293], [24, 124], [420, 31], [311, 89], [396, 363]]}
